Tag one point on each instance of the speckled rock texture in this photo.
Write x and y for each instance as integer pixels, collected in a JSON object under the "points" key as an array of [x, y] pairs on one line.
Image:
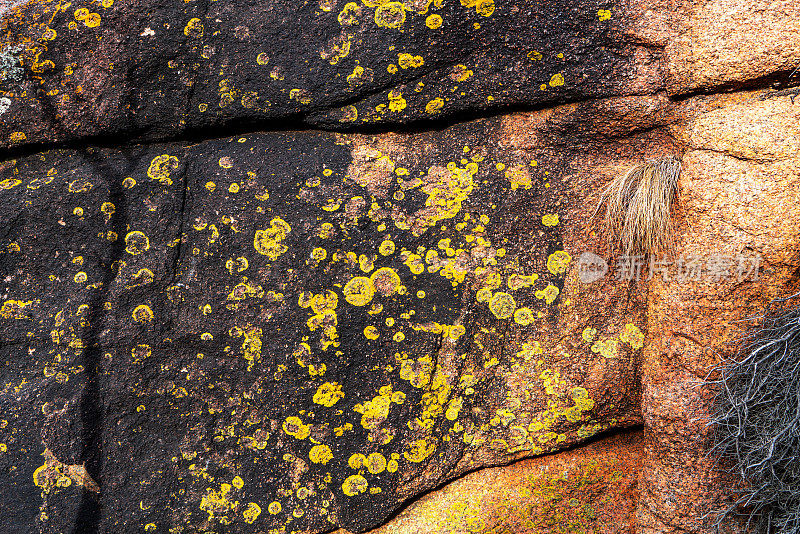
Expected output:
{"points": [[273, 267]]}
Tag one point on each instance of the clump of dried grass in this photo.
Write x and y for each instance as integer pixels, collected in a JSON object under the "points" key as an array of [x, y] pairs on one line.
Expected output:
{"points": [[638, 206], [756, 422]]}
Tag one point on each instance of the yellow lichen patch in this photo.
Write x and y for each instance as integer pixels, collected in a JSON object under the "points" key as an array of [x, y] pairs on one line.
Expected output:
{"points": [[376, 463], [141, 352], [12, 309], [485, 7], [390, 15], [603, 15], [550, 219], [608, 348], [326, 301], [9, 183], [237, 265], [433, 22], [371, 332], [359, 290], [251, 513], [142, 314], [241, 292], [460, 73], [434, 106], [418, 450], [518, 176], [354, 484], [588, 334], [518, 281], [387, 247], [581, 398], [446, 191], [556, 80], [375, 411], [294, 427], [502, 305], [633, 336], [320, 454], [92, 20], [194, 28], [136, 243], [161, 167], [396, 101], [558, 261], [217, 503], [251, 346], [407, 61], [523, 316], [274, 508], [269, 241], [328, 394], [549, 293], [385, 281], [356, 460], [55, 474], [349, 14]]}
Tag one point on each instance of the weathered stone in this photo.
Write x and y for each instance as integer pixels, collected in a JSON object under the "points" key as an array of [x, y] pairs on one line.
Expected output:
{"points": [[235, 328], [156, 70], [590, 489], [251, 319], [739, 190]]}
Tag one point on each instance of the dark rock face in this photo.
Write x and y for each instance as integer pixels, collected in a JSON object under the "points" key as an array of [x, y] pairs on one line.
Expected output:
{"points": [[298, 329], [159, 69]]}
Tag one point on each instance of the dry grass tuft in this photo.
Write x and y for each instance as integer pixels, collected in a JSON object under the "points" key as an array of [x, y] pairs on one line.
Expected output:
{"points": [[638, 206], [756, 422]]}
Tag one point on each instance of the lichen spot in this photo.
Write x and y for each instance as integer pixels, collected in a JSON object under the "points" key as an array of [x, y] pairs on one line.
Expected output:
{"points": [[142, 314], [550, 219], [359, 290], [269, 242], [251, 513], [376, 463], [407, 61], [434, 106], [161, 167], [194, 28], [502, 305], [320, 454], [433, 22], [390, 15], [328, 394], [485, 8], [523, 316], [557, 80], [633, 336], [354, 484], [419, 450], [386, 281], [9, 183], [558, 262], [387, 247], [136, 243], [274, 508], [371, 332], [549, 293], [294, 427], [603, 15]]}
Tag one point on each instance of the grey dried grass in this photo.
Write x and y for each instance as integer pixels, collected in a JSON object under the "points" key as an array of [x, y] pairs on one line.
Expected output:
{"points": [[756, 422], [638, 206]]}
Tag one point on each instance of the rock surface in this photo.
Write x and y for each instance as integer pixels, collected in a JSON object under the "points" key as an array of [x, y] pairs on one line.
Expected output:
{"points": [[289, 267]]}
